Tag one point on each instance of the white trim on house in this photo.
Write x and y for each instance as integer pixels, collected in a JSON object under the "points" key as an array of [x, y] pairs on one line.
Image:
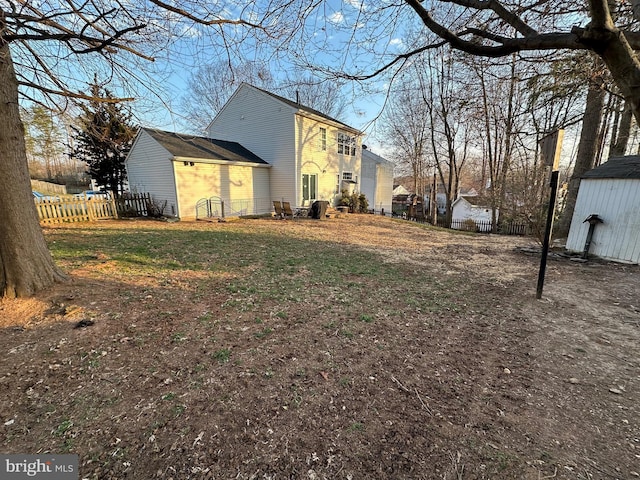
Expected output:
{"points": [[220, 162]]}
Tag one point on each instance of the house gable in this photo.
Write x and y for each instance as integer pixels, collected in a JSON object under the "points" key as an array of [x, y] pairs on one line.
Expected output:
{"points": [[150, 170], [289, 137], [265, 126]]}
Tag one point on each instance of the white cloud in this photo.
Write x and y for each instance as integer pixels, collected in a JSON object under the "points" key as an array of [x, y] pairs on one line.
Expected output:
{"points": [[336, 17], [357, 4], [396, 42]]}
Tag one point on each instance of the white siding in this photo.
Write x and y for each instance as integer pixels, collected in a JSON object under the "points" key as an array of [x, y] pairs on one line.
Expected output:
{"points": [[368, 180], [384, 187], [377, 181], [463, 210], [326, 164], [617, 203], [150, 170], [265, 126], [244, 189]]}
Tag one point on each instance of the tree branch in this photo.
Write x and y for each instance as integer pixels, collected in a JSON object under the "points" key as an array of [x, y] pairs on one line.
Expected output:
{"points": [[67, 93], [202, 21], [506, 46], [600, 15], [511, 18]]}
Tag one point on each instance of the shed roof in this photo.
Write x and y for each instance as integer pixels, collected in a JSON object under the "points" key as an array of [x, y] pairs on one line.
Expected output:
{"points": [[617, 167], [191, 146]]}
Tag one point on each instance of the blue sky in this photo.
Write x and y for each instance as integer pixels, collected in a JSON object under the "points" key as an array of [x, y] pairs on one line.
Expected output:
{"points": [[327, 32]]}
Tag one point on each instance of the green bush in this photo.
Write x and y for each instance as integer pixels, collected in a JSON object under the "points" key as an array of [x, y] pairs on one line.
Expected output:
{"points": [[357, 202]]}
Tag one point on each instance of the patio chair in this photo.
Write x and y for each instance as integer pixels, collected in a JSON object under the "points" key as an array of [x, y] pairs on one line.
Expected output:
{"points": [[286, 210], [278, 208]]}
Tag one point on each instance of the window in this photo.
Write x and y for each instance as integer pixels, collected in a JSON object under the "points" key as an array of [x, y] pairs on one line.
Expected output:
{"points": [[347, 176], [309, 187], [337, 183], [346, 144], [323, 138]]}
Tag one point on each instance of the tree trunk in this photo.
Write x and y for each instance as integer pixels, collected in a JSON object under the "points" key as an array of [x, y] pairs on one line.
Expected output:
{"points": [[587, 149], [614, 49], [26, 265], [624, 128]]}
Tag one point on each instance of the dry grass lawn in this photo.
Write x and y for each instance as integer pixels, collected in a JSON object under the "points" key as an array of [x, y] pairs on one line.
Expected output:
{"points": [[351, 348]]}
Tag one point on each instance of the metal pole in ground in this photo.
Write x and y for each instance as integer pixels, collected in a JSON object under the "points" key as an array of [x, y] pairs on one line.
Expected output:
{"points": [[550, 148], [547, 233]]}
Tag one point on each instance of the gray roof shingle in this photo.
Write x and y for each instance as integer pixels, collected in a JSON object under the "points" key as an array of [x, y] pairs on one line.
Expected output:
{"points": [[190, 146], [627, 167]]}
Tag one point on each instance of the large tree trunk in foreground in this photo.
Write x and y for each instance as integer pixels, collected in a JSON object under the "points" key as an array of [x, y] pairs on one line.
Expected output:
{"points": [[586, 155], [26, 265]]}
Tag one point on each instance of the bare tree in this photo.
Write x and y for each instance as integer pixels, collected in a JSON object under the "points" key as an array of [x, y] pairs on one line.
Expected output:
{"points": [[621, 128], [587, 151], [447, 104], [44, 142], [554, 100], [486, 28], [495, 28], [211, 85], [324, 95], [405, 126], [45, 40]]}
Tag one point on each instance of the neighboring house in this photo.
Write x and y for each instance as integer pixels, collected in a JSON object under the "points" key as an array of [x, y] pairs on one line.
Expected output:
{"points": [[467, 207], [179, 170], [612, 191], [312, 155], [400, 190], [441, 202], [376, 181]]}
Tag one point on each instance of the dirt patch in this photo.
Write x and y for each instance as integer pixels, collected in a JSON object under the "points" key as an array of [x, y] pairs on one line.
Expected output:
{"points": [[358, 347]]}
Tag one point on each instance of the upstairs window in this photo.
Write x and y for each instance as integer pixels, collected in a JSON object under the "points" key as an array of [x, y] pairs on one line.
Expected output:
{"points": [[346, 144], [323, 139]]}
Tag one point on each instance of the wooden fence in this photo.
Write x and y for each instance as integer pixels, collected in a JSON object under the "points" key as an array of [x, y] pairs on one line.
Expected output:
{"points": [[75, 209], [69, 208], [134, 205], [48, 187]]}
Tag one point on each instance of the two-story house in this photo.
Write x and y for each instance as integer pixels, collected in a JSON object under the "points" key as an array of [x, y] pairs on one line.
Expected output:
{"points": [[260, 147], [312, 155]]}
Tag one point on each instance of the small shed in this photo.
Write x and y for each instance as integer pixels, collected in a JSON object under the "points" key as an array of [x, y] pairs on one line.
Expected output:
{"points": [[612, 191], [467, 207]]}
